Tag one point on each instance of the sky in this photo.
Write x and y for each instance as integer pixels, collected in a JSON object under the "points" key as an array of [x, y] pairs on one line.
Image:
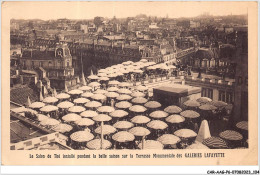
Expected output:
{"points": [[88, 10]]}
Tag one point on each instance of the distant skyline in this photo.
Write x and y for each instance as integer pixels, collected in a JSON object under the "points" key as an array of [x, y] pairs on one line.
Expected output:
{"points": [[88, 10]]}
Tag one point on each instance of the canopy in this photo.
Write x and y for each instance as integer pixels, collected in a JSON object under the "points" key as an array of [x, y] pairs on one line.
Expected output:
{"points": [[107, 129], [123, 125], [50, 100], [140, 119], [242, 125], [123, 136], [50, 122], [105, 109], [157, 124], [81, 136], [173, 109], [36, 105], [75, 92], [87, 94], [65, 104], [112, 94], [89, 113], [169, 139], [191, 103], [158, 114], [215, 143], [81, 100], [203, 100], [137, 108], [185, 133], [63, 96], [93, 104], [114, 82], [71, 117], [190, 114], [77, 109], [231, 135], [139, 131], [84, 122], [123, 105], [42, 117], [123, 97], [152, 104], [93, 77], [102, 118], [175, 119], [218, 104], [49, 108], [124, 84], [98, 97], [112, 89], [141, 88], [139, 100], [137, 94], [207, 107], [118, 113], [103, 78], [124, 91], [94, 84], [62, 128]]}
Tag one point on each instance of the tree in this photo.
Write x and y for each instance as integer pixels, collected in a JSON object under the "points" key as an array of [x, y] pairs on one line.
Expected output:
{"points": [[98, 21]]}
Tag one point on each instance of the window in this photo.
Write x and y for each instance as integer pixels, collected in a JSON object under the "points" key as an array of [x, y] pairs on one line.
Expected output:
{"points": [[226, 96], [205, 92]]}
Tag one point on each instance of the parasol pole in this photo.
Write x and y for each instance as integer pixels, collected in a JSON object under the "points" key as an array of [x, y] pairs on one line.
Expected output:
{"points": [[102, 135], [143, 140]]}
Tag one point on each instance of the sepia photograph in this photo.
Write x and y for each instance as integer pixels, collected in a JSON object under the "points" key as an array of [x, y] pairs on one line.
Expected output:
{"points": [[147, 79]]}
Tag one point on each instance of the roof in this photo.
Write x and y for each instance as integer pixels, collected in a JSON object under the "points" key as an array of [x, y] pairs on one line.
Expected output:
{"points": [[178, 90], [20, 94]]}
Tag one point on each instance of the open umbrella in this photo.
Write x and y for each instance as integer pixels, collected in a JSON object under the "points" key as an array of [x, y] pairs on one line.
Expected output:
{"points": [[36, 105], [185, 133], [139, 131], [96, 144], [207, 107], [102, 70], [98, 97], [112, 89], [124, 91], [100, 91], [62, 128], [85, 88], [112, 94], [152, 104], [50, 100], [102, 74], [65, 105], [191, 103], [151, 144], [107, 129], [103, 78], [77, 109], [19, 109], [157, 124], [94, 84], [105, 109], [203, 100], [175, 119], [173, 109], [158, 114], [169, 139], [113, 82], [137, 108], [123, 97], [71, 117], [215, 143], [81, 136], [197, 145], [231, 135], [84, 122], [49, 108], [140, 119], [218, 104], [143, 60], [62, 96], [242, 125], [190, 114], [75, 92], [139, 100], [102, 118], [137, 94], [118, 113], [93, 104], [42, 117], [123, 136], [123, 105], [123, 125], [49, 122], [87, 94], [88, 114], [81, 100], [137, 71]]}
